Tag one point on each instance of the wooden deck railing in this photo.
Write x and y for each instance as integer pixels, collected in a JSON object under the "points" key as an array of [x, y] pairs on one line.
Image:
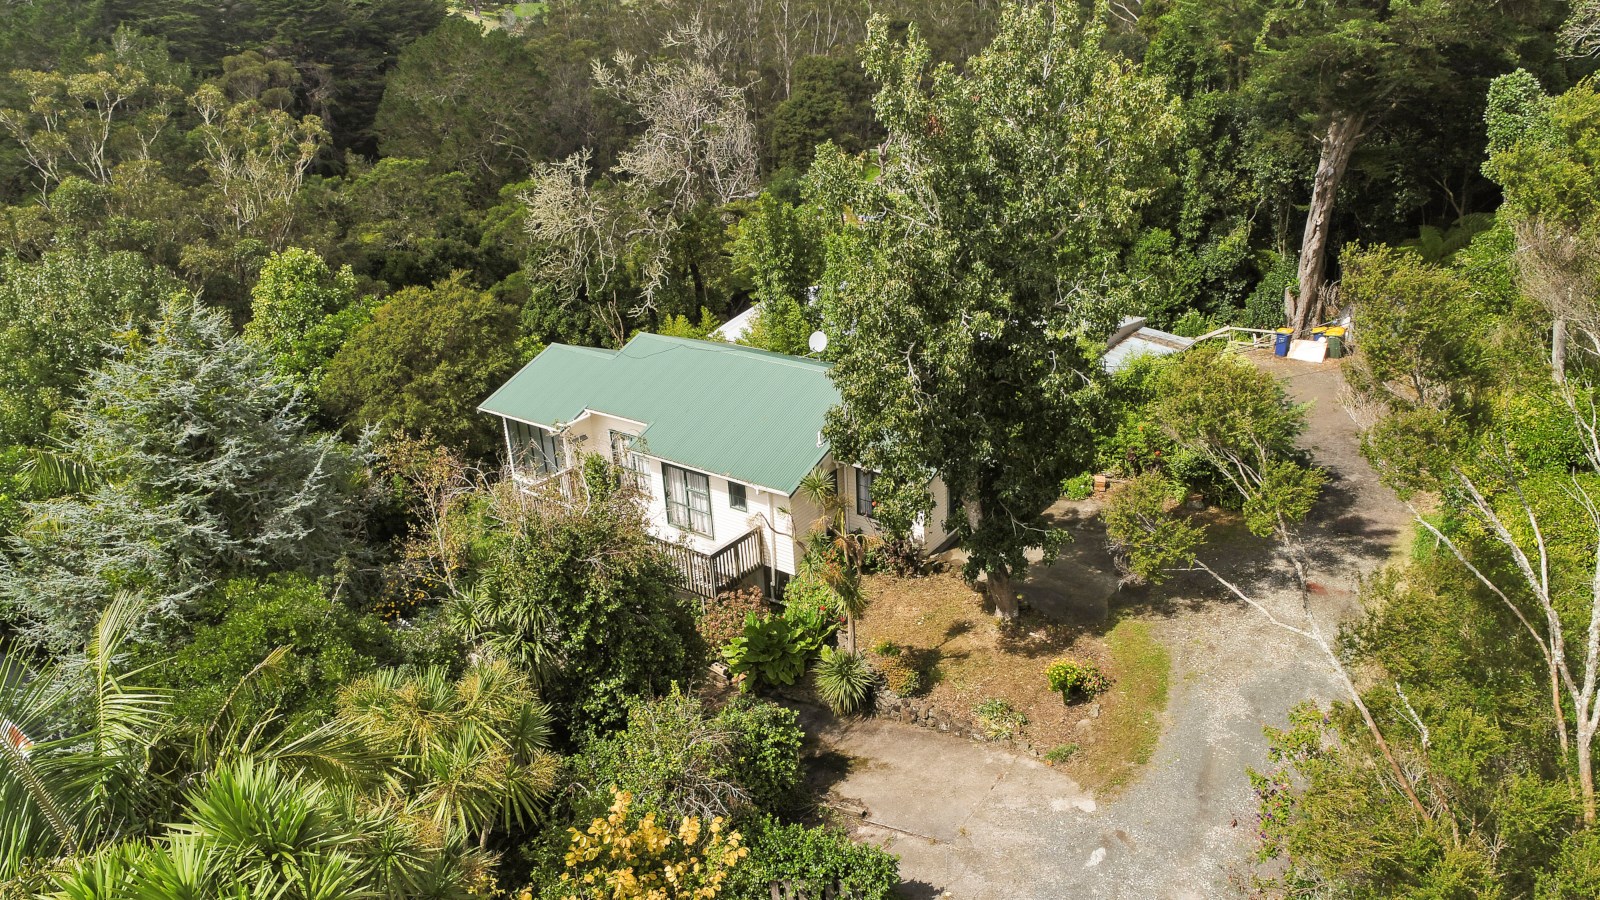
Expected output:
{"points": [[552, 490], [705, 574]]}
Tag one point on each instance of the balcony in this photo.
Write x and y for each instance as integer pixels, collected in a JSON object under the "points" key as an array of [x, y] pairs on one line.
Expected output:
{"points": [[707, 574], [554, 489]]}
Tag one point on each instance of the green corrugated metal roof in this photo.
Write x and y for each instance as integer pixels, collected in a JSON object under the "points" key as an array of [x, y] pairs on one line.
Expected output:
{"points": [[745, 414]]}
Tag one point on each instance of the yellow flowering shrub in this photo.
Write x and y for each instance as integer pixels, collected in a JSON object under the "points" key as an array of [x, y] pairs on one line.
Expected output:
{"points": [[614, 861]]}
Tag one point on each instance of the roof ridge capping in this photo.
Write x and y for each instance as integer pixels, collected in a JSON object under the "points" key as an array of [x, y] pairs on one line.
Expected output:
{"points": [[772, 356]]}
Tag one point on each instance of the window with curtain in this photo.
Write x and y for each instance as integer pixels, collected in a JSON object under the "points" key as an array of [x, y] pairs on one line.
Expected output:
{"points": [[688, 499], [534, 449], [864, 491]]}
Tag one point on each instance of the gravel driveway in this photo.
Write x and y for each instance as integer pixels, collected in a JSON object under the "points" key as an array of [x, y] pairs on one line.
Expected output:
{"points": [[972, 823]]}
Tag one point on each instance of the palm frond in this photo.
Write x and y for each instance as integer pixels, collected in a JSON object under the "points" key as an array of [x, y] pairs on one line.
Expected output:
{"points": [[334, 752], [126, 718], [21, 771], [206, 741], [50, 473]]}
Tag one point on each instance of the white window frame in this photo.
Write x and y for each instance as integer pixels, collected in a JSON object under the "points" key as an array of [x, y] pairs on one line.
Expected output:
{"points": [[630, 463], [744, 497], [689, 486]]}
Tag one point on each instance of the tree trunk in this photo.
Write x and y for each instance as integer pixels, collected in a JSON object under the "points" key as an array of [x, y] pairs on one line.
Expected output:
{"points": [[1558, 350], [1344, 132], [1586, 773], [1555, 701], [849, 634], [1000, 592], [1383, 747]]}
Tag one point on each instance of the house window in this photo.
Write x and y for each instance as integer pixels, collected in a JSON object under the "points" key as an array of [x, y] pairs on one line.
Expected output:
{"points": [[688, 499], [631, 465], [864, 492], [534, 449], [736, 496], [549, 452]]}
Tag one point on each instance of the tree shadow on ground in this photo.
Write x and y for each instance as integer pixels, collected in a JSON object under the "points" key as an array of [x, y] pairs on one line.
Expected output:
{"points": [[1032, 636], [1338, 532]]}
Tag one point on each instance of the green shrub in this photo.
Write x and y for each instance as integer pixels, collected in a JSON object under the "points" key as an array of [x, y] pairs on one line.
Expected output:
{"points": [[900, 674], [1060, 753], [594, 634], [843, 680], [1071, 677], [813, 860], [999, 719], [810, 604], [1576, 872], [1194, 323], [1264, 307], [1078, 487], [245, 620], [767, 740], [886, 648], [771, 651], [678, 761]]}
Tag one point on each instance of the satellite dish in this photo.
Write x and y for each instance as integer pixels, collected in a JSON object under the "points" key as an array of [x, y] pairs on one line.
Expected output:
{"points": [[818, 342]]}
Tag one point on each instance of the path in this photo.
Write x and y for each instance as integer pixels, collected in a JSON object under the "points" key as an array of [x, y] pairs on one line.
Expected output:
{"points": [[974, 823]]}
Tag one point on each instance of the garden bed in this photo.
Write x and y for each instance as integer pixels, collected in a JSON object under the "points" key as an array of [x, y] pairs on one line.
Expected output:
{"points": [[968, 658]]}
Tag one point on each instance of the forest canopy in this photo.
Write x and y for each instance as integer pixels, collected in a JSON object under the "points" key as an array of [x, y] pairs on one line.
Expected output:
{"points": [[273, 623]]}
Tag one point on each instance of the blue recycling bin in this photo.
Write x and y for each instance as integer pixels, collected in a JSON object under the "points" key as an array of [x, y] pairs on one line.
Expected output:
{"points": [[1280, 342]]}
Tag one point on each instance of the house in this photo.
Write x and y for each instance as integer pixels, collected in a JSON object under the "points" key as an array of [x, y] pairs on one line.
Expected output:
{"points": [[1133, 339], [738, 326], [716, 437]]}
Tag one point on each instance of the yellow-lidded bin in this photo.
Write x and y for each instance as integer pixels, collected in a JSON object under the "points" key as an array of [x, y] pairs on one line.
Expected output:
{"points": [[1336, 342]]}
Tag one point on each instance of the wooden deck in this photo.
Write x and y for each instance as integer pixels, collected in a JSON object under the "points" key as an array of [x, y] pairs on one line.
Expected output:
{"points": [[707, 574]]}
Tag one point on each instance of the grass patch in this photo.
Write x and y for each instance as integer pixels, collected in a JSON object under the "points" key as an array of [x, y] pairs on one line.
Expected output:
{"points": [[1131, 722], [973, 664], [1060, 754]]}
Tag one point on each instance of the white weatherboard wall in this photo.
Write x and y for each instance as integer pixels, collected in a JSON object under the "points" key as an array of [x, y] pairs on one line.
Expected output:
{"points": [[591, 433], [931, 531], [727, 524], [784, 520]]}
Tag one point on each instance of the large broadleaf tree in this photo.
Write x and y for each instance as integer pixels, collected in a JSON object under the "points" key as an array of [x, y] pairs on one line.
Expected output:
{"points": [[975, 267]]}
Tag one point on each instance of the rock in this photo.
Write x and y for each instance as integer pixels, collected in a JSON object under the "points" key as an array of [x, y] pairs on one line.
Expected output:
{"points": [[1094, 710], [944, 726], [906, 714], [1083, 726]]}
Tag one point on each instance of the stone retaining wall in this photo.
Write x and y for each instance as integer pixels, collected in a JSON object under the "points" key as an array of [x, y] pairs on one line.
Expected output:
{"points": [[914, 711]]}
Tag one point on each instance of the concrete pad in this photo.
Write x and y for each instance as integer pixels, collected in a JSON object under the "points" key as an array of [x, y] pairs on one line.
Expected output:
{"points": [[927, 784]]}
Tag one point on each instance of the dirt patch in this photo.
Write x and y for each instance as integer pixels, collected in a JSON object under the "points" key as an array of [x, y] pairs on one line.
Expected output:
{"points": [[969, 657]]}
